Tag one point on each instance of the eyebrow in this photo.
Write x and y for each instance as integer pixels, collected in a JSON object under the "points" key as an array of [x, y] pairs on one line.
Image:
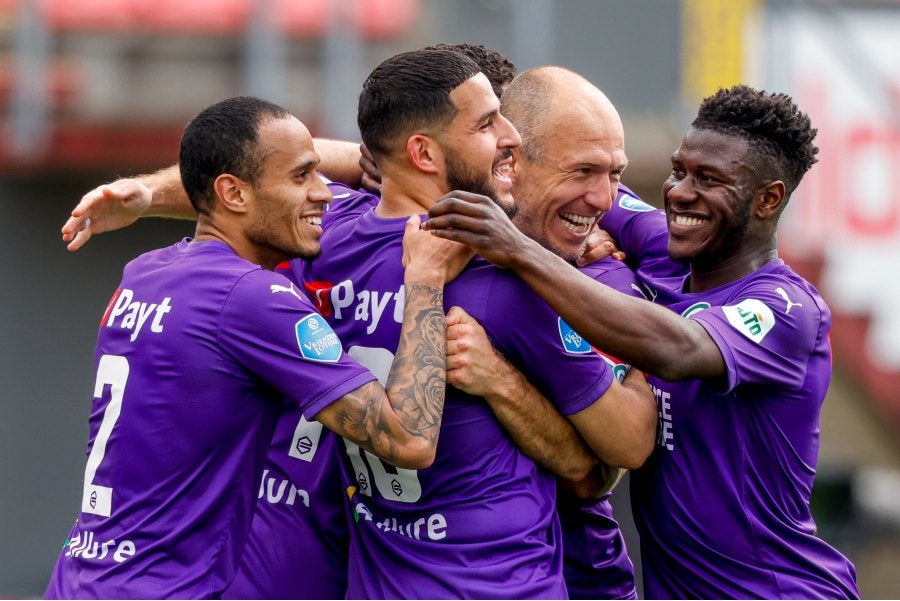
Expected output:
{"points": [[488, 114], [312, 163]]}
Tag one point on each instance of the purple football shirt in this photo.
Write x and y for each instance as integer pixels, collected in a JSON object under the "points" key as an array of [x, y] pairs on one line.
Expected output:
{"points": [[298, 541], [196, 353], [595, 559], [722, 505], [480, 522]]}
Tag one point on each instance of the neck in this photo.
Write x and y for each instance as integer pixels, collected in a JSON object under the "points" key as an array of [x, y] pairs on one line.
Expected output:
{"points": [[398, 200], [264, 257], [706, 277]]}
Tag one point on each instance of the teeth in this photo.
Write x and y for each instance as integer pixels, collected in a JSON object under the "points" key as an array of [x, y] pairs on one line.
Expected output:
{"points": [[313, 220], [685, 220], [577, 223]]}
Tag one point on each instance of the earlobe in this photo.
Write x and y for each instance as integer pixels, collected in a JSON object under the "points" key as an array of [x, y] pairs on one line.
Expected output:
{"points": [[425, 153], [230, 192]]}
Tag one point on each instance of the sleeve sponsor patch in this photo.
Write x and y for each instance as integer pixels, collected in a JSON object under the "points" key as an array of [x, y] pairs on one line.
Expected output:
{"points": [[317, 341], [751, 317], [631, 203], [571, 340]]}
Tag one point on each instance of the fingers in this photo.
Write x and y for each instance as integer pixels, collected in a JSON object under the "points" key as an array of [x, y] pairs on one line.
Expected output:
{"points": [[81, 237], [413, 223]]}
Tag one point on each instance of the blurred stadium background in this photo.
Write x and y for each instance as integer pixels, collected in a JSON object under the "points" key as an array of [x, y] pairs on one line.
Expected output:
{"points": [[96, 89]]}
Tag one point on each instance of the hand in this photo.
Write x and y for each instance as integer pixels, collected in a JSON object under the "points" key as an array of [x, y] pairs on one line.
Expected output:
{"points": [[599, 245], [478, 222], [371, 177], [429, 259], [473, 365], [106, 208]]}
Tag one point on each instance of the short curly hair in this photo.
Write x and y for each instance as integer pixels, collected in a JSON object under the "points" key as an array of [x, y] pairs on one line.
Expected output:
{"points": [[780, 134], [497, 67]]}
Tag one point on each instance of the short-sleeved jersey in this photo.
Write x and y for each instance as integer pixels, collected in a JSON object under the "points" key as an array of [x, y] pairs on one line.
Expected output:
{"points": [[481, 521], [298, 542], [722, 505], [595, 559], [299, 539], [196, 354]]}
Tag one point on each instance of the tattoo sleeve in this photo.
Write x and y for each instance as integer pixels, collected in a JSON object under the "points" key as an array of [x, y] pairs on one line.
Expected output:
{"points": [[416, 386]]}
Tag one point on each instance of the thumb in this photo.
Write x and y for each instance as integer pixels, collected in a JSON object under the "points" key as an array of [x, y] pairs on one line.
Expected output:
{"points": [[457, 315], [413, 223]]}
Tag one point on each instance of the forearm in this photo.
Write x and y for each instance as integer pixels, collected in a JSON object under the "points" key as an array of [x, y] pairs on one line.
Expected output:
{"points": [[169, 197], [339, 161], [536, 427], [416, 384], [653, 338]]}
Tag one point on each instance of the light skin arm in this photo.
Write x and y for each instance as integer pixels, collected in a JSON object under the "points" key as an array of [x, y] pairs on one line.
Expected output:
{"points": [[653, 338], [474, 366], [120, 203], [401, 422]]}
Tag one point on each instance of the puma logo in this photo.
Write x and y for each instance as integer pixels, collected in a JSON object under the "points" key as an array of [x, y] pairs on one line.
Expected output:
{"points": [[290, 290], [780, 291]]}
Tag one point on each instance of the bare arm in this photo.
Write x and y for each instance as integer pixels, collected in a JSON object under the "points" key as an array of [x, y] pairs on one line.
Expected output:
{"points": [[401, 422], [653, 339], [339, 161], [120, 203], [473, 365]]}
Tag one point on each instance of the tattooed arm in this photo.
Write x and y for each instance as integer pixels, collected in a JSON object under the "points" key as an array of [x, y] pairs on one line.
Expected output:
{"points": [[401, 423]]}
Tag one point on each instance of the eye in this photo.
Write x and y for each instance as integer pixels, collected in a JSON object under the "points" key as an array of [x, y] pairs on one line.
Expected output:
{"points": [[678, 173], [487, 124]]}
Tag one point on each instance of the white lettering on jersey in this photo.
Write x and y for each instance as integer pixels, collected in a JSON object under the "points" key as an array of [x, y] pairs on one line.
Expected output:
{"points": [[432, 527], [665, 436], [85, 546], [366, 305], [273, 491], [134, 315]]}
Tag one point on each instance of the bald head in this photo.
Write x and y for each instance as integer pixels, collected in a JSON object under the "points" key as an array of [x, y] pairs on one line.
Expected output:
{"points": [[555, 100]]}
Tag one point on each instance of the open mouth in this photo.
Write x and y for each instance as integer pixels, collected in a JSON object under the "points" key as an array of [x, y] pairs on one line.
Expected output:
{"points": [[577, 224], [687, 220]]}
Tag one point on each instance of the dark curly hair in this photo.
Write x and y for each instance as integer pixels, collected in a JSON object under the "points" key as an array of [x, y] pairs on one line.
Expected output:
{"points": [[780, 134], [496, 67]]}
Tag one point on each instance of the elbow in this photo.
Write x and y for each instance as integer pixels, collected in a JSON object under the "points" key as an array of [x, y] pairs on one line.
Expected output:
{"points": [[417, 455]]}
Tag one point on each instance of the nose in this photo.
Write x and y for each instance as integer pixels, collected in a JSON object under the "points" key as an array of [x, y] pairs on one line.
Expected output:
{"points": [[509, 135], [678, 189], [600, 195], [319, 192]]}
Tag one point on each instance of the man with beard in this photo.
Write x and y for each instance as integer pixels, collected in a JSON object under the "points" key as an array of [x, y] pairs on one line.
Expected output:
{"points": [[740, 360], [480, 522]]}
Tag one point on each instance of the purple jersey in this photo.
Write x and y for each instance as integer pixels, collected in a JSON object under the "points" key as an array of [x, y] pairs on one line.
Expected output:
{"points": [[480, 522], [196, 353], [298, 541], [722, 505], [595, 558]]}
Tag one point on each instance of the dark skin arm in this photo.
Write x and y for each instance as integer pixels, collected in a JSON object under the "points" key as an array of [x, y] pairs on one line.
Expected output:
{"points": [[653, 339]]}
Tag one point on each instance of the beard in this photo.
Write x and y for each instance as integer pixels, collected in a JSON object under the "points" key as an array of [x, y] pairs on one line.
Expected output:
{"points": [[461, 176]]}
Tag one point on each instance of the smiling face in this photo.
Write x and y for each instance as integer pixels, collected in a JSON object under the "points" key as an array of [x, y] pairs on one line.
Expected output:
{"points": [[709, 199], [289, 195], [477, 138], [561, 195]]}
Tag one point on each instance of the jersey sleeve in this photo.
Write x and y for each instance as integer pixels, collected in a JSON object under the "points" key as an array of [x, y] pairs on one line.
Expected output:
{"points": [[553, 357], [766, 333], [273, 331]]}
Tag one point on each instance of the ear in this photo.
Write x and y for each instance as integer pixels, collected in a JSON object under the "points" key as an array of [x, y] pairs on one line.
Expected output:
{"points": [[425, 153], [231, 192], [769, 199]]}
